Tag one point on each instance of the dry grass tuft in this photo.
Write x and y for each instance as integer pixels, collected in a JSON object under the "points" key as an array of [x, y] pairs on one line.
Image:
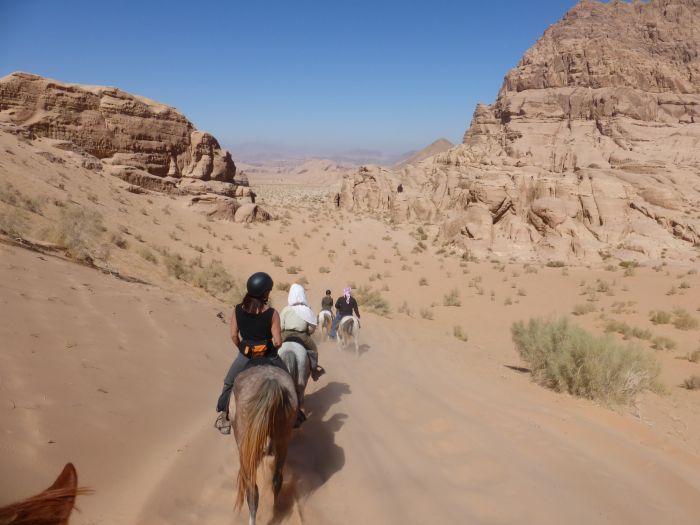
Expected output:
{"points": [[569, 359], [372, 301]]}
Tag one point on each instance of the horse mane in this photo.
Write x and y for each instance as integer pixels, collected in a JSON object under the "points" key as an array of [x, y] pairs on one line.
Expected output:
{"points": [[53, 506]]}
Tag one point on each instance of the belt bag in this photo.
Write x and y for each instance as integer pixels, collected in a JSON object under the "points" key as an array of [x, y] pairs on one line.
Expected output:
{"points": [[252, 348]]}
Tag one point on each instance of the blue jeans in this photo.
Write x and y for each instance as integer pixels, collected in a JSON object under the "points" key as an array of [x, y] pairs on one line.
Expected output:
{"points": [[334, 324]]}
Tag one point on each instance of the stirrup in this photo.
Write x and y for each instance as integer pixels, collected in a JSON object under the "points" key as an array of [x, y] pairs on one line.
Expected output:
{"points": [[223, 423]]}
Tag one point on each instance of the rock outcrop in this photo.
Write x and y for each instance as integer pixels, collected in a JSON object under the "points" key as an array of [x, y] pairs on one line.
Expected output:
{"points": [[591, 149], [116, 127], [143, 142]]}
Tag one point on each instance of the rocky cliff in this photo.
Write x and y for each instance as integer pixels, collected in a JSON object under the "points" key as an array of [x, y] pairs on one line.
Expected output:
{"points": [[591, 149], [116, 127]]}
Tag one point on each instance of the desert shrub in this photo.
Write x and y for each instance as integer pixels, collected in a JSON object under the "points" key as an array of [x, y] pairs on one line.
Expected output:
{"points": [[566, 358], [372, 301], [118, 241], [661, 342], [459, 334], [276, 260], [324, 269], [626, 330], [175, 265], [147, 255], [13, 223], [683, 320], [694, 357], [629, 264], [215, 280], [427, 313], [303, 280], [293, 270], [522, 292], [423, 282], [659, 317], [452, 298], [404, 309], [78, 230], [284, 287], [684, 285], [692, 383], [555, 264], [583, 309]]}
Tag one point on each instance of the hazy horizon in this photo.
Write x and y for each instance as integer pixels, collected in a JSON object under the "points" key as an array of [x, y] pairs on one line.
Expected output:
{"points": [[309, 79]]}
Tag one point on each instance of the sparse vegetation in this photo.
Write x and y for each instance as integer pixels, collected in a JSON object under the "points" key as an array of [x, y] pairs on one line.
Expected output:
{"points": [[78, 230], [372, 301], [627, 331], [459, 334], [583, 309], [556, 264], [147, 254], [452, 298], [324, 269], [282, 286], [567, 358], [692, 383], [427, 313], [661, 342]]}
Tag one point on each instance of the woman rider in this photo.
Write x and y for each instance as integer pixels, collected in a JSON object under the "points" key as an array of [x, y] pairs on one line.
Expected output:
{"points": [[256, 333], [298, 323]]}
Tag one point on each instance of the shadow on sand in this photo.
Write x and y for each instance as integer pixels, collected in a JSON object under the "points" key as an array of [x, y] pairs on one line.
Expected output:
{"points": [[313, 455], [364, 348], [520, 369]]}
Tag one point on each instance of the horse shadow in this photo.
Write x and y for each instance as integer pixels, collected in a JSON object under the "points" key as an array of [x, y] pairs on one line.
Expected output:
{"points": [[313, 456], [363, 349]]}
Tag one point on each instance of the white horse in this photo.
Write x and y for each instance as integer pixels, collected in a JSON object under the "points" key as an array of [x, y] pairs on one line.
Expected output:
{"points": [[325, 319], [349, 331], [294, 357]]}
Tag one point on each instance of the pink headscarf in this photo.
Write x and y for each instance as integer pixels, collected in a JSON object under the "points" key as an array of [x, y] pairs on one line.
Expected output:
{"points": [[347, 292]]}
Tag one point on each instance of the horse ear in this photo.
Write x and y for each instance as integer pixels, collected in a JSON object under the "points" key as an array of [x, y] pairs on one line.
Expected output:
{"points": [[67, 479]]}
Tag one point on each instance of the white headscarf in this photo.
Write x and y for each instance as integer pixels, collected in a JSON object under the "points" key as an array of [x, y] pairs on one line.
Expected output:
{"points": [[297, 301]]}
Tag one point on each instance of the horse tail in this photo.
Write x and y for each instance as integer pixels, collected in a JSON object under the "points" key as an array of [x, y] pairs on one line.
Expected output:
{"points": [[269, 401], [289, 359]]}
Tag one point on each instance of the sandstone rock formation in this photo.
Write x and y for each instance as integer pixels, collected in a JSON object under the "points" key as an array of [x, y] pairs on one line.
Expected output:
{"points": [[591, 149], [143, 142], [114, 126]]}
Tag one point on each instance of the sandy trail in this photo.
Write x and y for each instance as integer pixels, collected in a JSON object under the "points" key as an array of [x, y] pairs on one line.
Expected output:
{"points": [[121, 379]]}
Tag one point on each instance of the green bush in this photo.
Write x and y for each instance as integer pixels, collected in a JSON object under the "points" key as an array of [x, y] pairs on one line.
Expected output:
{"points": [[567, 358]]}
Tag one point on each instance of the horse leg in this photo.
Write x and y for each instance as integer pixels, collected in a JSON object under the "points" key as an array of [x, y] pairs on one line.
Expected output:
{"points": [[252, 504]]}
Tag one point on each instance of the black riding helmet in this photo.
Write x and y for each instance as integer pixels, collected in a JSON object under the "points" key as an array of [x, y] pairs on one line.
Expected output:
{"points": [[259, 284]]}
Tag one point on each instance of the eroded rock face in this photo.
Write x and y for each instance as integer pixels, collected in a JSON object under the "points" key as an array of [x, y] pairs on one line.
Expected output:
{"points": [[591, 148], [114, 126]]}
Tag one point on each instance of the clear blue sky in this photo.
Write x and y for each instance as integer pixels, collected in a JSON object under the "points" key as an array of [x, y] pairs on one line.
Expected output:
{"points": [[312, 75]]}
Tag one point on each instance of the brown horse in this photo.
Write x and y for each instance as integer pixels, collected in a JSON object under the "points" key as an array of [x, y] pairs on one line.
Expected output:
{"points": [[266, 408], [51, 507]]}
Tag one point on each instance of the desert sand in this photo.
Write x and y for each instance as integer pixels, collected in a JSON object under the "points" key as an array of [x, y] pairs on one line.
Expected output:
{"points": [[126, 236], [121, 377]]}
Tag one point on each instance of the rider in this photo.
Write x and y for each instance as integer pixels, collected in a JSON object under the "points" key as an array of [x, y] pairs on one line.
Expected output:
{"points": [[344, 307], [298, 323], [256, 333], [327, 302]]}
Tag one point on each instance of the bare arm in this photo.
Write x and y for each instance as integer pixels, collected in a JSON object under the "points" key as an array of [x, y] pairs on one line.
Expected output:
{"points": [[276, 330], [234, 331]]}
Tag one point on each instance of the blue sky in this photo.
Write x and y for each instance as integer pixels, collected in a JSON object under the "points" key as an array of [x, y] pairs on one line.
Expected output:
{"points": [[310, 76]]}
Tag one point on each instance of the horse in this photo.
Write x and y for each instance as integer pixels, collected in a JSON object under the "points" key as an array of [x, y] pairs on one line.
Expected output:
{"points": [[295, 358], [349, 329], [266, 409], [325, 319], [50, 507]]}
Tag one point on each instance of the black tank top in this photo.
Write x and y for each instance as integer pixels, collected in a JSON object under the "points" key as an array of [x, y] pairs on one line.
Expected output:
{"points": [[255, 329]]}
